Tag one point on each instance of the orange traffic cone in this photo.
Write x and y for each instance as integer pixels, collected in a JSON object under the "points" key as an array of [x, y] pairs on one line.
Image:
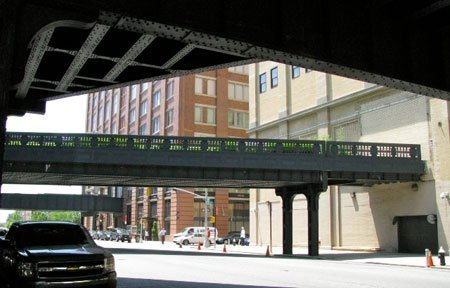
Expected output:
{"points": [[430, 260], [224, 248], [198, 247], [267, 251]]}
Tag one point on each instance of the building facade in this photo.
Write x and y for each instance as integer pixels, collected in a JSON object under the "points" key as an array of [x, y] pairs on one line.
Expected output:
{"points": [[210, 104], [289, 102]]}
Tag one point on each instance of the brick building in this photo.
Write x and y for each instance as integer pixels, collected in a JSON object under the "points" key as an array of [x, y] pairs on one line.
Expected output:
{"points": [[210, 104], [290, 102]]}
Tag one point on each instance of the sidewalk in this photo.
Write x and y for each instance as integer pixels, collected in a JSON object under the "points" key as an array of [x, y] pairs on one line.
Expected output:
{"points": [[382, 258]]}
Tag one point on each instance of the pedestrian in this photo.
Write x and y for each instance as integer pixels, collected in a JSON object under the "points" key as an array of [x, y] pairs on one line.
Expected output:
{"points": [[162, 234], [242, 238]]}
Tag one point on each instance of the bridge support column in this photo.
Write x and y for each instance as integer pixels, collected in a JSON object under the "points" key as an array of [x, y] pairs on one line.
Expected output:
{"points": [[287, 197], [7, 32], [312, 197]]}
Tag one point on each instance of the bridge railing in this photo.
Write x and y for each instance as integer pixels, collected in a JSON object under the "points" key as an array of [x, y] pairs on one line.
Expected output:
{"points": [[202, 144], [373, 150], [164, 143]]}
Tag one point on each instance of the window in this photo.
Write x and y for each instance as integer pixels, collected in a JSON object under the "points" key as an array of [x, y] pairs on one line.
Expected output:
{"points": [[167, 207], [122, 122], [238, 119], [198, 86], [140, 210], [132, 116], [102, 96], [115, 102], [239, 69], [144, 87], [211, 115], [211, 88], [143, 108], [274, 77], [100, 116], [237, 91], [114, 128], [154, 209], [155, 125], [107, 110], [143, 129], [170, 89], [169, 117], [156, 99], [198, 114], [122, 98], [262, 83], [95, 99], [94, 123], [133, 92], [295, 71], [204, 86], [209, 112]]}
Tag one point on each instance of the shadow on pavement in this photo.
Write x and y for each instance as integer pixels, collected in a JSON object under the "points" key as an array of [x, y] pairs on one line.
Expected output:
{"points": [[118, 251], [132, 282]]}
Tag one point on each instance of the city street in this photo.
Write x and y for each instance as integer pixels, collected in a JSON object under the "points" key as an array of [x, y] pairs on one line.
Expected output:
{"points": [[152, 264]]}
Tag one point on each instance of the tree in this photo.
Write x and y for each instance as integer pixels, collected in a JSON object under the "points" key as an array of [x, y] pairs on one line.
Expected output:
{"points": [[155, 230], [56, 216], [13, 217]]}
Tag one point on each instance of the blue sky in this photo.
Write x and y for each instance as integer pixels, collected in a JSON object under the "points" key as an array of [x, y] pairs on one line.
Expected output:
{"points": [[63, 115]]}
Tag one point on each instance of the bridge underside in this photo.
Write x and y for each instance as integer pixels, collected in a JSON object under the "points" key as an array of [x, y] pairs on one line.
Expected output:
{"points": [[63, 47], [26, 173], [290, 166]]}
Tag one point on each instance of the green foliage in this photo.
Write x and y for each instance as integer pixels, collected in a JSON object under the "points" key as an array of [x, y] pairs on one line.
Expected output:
{"points": [[155, 230], [14, 217], [69, 216]]}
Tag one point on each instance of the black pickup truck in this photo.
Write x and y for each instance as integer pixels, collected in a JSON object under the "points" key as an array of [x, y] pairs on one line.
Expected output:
{"points": [[53, 254]]}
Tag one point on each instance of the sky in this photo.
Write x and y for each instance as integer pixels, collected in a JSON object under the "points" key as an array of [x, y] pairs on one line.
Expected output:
{"points": [[67, 115]]}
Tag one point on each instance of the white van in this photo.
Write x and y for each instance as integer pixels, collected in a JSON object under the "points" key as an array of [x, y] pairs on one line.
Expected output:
{"points": [[194, 235]]}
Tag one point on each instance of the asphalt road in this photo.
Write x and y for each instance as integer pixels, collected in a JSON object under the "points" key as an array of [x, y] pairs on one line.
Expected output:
{"points": [[139, 267]]}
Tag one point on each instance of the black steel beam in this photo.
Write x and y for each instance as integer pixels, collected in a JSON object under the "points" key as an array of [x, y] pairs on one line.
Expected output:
{"points": [[7, 41], [312, 197], [287, 196], [62, 202]]}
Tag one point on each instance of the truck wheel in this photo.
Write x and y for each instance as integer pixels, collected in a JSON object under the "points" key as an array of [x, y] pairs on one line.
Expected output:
{"points": [[186, 242]]}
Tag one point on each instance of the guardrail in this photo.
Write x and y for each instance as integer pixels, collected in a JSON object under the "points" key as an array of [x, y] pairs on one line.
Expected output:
{"points": [[212, 145]]}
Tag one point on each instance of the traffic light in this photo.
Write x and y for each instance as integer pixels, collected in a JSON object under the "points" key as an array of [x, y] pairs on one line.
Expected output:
{"points": [[213, 219]]}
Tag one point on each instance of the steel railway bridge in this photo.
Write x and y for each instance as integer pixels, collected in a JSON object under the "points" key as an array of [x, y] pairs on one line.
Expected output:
{"points": [[290, 166]]}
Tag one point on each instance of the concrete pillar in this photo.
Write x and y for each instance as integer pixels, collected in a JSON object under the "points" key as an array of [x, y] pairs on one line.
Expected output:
{"points": [[287, 197]]}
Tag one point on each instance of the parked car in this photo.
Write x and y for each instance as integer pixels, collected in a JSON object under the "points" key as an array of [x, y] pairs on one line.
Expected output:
{"points": [[103, 235], [54, 254], [233, 237], [194, 235], [120, 234]]}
